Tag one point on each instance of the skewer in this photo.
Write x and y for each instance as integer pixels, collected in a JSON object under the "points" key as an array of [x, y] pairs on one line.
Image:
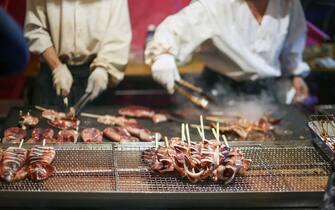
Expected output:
{"points": [[218, 131], [156, 140], [183, 139], [21, 143], [202, 127], [90, 115], [40, 108], [200, 133], [214, 133], [225, 140], [197, 125], [166, 141], [188, 135], [43, 144]]}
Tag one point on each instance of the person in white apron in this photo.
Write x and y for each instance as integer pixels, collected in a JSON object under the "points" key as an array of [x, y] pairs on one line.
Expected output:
{"points": [[244, 41], [83, 45]]}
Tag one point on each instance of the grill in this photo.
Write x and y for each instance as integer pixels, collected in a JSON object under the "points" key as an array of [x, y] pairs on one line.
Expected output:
{"points": [[118, 168], [323, 126]]}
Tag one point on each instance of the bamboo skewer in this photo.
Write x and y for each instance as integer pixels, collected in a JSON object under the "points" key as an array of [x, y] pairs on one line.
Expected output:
{"points": [[183, 139], [166, 141], [197, 125], [43, 144], [90, 115], [188, 135], [202, 127], [156, 141], [21, 143], [225, 140], [200, 133], [40, 108]]}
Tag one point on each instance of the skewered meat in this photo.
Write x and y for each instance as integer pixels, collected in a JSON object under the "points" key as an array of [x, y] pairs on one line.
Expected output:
{"points": [[40, 134], [52, 114], [131, 125], [39, 160], [118, 134], [113, 120], [67, 136], [14, 135], [245, 128], [198, 161], [64, 123], [141, 132], [60, 120], [91, 135], [28, 121], [142, 112], [13, 164]]}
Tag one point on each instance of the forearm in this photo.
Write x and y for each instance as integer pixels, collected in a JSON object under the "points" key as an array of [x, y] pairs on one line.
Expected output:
{"points": [[51, 57]]}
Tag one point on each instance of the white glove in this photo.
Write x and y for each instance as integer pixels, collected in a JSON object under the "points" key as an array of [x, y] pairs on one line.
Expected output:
{"points": [[97, 82], [62, 79], [165, 71]]}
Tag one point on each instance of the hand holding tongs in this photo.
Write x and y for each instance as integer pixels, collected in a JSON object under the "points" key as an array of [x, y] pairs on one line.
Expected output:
{"points": [[77, 108], [201, 101]]}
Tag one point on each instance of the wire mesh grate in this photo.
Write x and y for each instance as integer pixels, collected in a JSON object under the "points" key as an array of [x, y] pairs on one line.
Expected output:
{"points": [[120, 169]]}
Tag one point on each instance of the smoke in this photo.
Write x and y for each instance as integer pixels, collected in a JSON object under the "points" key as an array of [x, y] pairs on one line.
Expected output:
{"points": [[251, 107]]}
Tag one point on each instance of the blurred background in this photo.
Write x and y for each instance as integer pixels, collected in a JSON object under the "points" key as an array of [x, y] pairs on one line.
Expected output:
{"points": [[14, 88]]}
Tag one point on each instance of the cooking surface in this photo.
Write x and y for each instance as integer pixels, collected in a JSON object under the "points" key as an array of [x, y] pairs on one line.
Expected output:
{"points": [[119, 168], [292, 126]]}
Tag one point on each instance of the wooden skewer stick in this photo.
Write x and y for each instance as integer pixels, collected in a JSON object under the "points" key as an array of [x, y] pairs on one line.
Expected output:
{"points": [[215, 134], [43, 142], [156, 140], [40, 108], [202, 127], [183, 139], [218, 131], [166, 141], [199, 131], [21, 143], [225, 140], [188, 135], [205, 126], [90, 115]]}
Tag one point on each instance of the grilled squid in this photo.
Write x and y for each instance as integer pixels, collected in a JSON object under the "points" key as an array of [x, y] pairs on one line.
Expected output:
{"points": [[13, 164], [40, 159]]}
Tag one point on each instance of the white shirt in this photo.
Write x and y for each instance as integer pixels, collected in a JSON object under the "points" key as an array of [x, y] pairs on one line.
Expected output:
{"points": [[81, 31], [233, 42]]}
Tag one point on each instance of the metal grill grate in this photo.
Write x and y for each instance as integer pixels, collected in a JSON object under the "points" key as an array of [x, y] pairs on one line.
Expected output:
{"points": [[120, 169]]}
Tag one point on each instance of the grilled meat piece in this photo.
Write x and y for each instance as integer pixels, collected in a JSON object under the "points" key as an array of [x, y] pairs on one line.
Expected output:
{"points": [[113, 120], [142, 112], [60, 120], [40, 159], [91, 135], [14, 135], [40, 134], [118, 134], [52, 114], [13, 164], [199, 161], [67, 136], [141, 132], [28, 121]]}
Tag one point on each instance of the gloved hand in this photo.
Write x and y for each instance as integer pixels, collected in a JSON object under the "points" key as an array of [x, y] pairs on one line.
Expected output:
{"points": [[301, 89], [62, 79], [97, 82], [165, 71]]}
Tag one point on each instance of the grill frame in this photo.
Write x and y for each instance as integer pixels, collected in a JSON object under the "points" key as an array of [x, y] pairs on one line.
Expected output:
{"points": [[208, 194]]}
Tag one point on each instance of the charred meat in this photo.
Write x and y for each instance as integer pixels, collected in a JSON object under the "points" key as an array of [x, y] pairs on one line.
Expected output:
{"points": [[208, 159], [14, 135], [40, 159], [142, 112], [28, 121], [13, 164], [40, 134], [67, 136], [91, 135], [119, 134]]}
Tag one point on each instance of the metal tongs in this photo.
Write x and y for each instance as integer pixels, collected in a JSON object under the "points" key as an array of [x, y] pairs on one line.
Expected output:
{"points": [[77, 108], [201, 101]]}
